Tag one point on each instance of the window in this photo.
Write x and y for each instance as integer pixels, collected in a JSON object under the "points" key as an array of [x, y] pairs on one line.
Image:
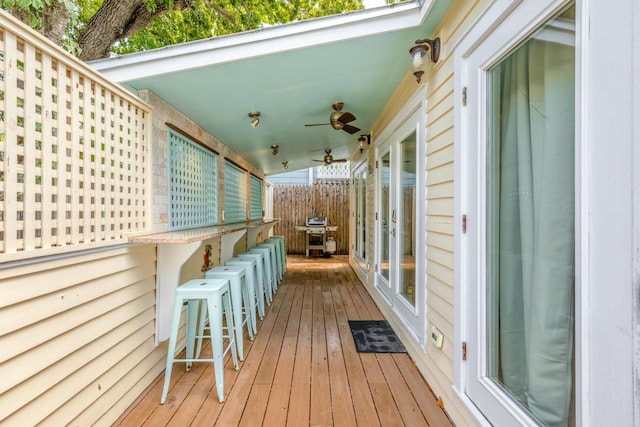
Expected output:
{"points": [[255, 197], [235, 194], [193, 189], [519, 261]]}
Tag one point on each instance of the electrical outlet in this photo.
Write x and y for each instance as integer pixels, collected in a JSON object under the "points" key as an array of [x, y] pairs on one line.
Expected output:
{"points": [[436, 337]]}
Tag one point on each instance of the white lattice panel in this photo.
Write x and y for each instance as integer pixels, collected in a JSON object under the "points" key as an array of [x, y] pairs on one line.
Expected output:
{"points": [[73, 150], [333, 171]]}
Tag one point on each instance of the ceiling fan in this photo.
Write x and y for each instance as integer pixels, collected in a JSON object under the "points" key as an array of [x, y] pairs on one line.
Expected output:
{"points": [[328, 159], [339, 119]]}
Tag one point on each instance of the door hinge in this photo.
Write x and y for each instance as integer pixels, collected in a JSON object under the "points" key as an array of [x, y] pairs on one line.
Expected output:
{"points": [[464, 223], [464, 96], [464, 350], [376, 216], [376, 164]]}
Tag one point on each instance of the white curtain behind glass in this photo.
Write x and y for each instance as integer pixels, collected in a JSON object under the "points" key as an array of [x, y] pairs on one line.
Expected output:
{"points": [[532, 228]]}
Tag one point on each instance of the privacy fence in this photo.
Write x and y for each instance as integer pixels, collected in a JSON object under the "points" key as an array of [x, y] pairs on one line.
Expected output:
{"points": [[73, 151], [294, 203]]}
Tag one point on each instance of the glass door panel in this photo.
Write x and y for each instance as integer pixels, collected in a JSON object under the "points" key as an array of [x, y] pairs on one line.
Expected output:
{"points": [[530, 224], [360, 217], [356, 192], [406, 219], [385, 215], [363, 215]]}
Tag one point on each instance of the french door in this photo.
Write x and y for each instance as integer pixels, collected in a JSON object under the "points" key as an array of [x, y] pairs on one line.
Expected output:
{"points": [[519, 194], [399, 253]]}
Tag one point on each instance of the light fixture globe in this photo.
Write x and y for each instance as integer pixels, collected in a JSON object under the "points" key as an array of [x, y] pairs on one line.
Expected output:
{"points": [[418, 63], [419, 58]]}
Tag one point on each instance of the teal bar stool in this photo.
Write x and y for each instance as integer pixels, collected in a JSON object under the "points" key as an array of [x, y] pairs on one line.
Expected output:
{"points": [[275, 266], [251, 275], [240, 294], [216, 297], [275, 245], [280, 251], [263, 282], [269, 272], [283, 249]]}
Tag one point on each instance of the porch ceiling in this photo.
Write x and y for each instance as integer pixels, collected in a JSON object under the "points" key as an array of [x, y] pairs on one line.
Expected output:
{"points": [[291, 74]]}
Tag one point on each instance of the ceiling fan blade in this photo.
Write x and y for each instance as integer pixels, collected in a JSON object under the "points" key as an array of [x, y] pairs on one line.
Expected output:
{"points": [[340, 160], [346, 117], [350, 129], [315, 160], [317, 124]]}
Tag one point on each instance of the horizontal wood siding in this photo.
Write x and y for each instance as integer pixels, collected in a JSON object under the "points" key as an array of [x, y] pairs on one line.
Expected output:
{"points": [[292, 204], [437, 364], [76, 337]]}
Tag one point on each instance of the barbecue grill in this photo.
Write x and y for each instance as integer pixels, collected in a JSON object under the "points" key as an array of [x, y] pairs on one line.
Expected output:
{"points": [[316, 229]]}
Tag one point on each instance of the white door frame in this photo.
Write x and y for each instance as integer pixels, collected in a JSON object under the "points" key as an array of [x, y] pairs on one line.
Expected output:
{"points": [[412, 116]]}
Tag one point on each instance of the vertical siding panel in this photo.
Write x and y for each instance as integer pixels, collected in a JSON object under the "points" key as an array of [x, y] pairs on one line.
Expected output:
{"points": [[10, 150], [46, 189], [58, 133], [87, 136], [75, 150], [31, 155]]}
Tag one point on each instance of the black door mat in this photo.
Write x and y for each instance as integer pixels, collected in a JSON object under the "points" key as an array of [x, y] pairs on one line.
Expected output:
{"points": [[375, 336]]}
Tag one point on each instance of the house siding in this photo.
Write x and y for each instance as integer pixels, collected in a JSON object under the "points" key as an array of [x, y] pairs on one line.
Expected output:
{"points": [[77, 332], [76, 335], [436, 365]]}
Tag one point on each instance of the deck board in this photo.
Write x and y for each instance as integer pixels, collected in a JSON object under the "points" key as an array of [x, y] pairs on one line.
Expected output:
{"points": [[301, 368]]}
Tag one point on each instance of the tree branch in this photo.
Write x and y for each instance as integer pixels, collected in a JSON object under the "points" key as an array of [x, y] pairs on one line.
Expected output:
{"points": [[117, 19], [55, 17]]}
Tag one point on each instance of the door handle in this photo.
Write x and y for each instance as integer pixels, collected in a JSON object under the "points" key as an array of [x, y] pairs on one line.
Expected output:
{"points": [[393, 216]]}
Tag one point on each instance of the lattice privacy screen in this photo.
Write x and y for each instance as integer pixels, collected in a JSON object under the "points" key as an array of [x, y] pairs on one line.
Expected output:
{"points": [[193, 189], [255, 197], [235, 193], [73, 149]]}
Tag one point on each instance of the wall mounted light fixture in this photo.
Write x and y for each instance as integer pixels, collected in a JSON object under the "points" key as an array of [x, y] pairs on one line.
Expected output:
{"points": [[418, 53], [274, 149], [254, 118], [362, 140]]}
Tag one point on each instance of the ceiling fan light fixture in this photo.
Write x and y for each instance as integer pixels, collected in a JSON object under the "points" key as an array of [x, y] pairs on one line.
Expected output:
{"points": [[255, 118], [274, 149], [285, 165], [419, 59], [339, 119]]}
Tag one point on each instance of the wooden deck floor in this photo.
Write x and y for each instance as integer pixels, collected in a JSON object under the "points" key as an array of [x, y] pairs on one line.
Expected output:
{"points": [[302, 368]]}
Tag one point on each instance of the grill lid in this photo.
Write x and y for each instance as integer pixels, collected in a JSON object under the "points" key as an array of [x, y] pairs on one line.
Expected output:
{"points": [[317, 220]]}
